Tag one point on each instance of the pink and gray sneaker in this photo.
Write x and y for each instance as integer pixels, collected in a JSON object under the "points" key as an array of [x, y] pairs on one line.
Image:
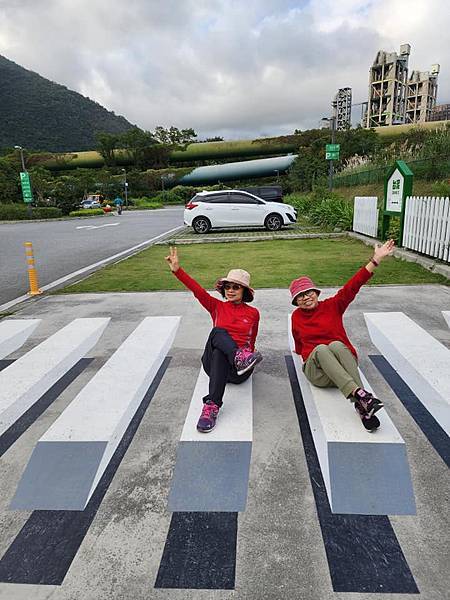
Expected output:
{"points": [[367, 402], [245, 360], [208, 418]]}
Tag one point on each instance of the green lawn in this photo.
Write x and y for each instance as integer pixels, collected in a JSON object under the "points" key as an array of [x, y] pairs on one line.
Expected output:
{"points": [[329, 262]]}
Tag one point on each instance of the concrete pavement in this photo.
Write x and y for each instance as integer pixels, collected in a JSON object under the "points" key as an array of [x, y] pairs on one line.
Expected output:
{"points": [[282, 548]]}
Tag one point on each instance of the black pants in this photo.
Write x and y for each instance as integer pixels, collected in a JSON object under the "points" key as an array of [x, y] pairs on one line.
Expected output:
{"points": [[218, 362]]}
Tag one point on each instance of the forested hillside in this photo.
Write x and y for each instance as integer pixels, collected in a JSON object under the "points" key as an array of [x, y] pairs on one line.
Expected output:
{"points": [[39, 114]]}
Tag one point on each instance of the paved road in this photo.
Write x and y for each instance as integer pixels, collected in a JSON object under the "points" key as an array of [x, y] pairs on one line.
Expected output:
{"points": [[62, 247]]}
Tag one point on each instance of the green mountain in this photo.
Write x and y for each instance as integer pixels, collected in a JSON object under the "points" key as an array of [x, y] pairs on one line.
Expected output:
{"points": [[38, 114]]}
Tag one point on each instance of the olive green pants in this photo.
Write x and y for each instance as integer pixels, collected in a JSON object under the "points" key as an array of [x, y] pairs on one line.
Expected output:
{"points": [[333, 365]]}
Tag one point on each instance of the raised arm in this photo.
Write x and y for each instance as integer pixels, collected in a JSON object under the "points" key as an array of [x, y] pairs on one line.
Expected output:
{"points": [[348, 292], [379, 254], [205, 299]]}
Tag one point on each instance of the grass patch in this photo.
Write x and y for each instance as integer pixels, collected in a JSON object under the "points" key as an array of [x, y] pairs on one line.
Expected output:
{"points": [[329, 262]]}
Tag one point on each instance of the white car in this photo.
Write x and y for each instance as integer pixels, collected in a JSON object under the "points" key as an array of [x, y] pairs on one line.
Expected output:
{"points": [[234, 208]]}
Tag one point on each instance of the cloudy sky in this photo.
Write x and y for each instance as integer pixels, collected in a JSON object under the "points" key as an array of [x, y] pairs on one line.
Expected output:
{"points": [[234, 68]]}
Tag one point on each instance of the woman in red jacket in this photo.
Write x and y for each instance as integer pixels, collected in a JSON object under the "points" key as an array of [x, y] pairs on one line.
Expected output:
{"points": [[229, 355], [329, 358]]}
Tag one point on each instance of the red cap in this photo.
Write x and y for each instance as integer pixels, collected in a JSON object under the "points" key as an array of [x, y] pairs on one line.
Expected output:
{"points": [[302, 284]]}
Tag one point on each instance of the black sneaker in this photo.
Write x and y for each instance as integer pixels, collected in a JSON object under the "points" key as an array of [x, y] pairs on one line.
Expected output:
{"points": [[370, 422], [367, 402]]}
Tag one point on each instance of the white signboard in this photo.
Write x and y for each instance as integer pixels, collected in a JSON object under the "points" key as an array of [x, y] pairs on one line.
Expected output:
{"points": [[394, 195]]}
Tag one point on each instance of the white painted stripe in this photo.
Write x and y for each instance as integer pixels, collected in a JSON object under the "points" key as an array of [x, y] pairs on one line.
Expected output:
{"points": [[97, 226], [49, 286], [420, 360], [235, 421], [23, 382], [103, 409], [14, 333], [364, 473], [446, 314]]}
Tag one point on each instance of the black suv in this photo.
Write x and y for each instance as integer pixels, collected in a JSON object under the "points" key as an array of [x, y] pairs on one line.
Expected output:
{"points": [[271, 193]]}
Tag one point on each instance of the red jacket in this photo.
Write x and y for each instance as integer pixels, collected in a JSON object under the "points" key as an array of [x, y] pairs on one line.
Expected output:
{"points": [[323, 324], [240, 320]]}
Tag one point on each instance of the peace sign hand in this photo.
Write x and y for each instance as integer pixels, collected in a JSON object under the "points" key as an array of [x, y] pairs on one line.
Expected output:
{"points": [[172, 259]]}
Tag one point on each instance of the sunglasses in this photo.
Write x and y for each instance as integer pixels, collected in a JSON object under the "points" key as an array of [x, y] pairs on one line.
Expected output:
{"points": [[232, 286], [308, 294]]}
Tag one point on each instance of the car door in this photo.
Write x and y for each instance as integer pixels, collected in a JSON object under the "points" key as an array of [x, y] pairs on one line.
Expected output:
{"points": [[215, 207], [246, 209]]}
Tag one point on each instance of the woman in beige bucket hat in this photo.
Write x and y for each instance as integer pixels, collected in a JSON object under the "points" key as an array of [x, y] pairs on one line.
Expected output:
{"points": [[229, 355], [320, 338]]}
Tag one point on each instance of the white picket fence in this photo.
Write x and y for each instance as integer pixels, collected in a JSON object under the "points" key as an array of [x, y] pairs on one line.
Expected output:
{"points": [[365, 215], [427, 226]]}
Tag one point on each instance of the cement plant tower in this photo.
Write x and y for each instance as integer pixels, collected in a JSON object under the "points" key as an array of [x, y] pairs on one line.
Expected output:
{"points": [[395, 99]]}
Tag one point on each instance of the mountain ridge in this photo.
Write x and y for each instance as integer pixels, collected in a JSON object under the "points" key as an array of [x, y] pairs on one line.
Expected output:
{"points": [[39, 114]]}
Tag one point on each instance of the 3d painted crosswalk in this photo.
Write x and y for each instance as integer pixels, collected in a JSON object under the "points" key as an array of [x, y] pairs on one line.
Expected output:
{"points": [[14, 333], [72, 455], [421, 361], [345, 450], [72, 466], [23, 382], [212, 470]]}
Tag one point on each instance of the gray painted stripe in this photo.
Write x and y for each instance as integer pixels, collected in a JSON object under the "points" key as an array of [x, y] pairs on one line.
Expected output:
{"points": [[370, 479], [52, 462], [211, 476]]}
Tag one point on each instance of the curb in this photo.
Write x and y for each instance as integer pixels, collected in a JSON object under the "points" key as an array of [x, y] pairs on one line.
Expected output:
{"points": [[225, 240]]}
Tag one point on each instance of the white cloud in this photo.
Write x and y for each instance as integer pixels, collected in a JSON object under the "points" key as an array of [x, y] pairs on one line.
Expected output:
{"points": [[226, 67]]}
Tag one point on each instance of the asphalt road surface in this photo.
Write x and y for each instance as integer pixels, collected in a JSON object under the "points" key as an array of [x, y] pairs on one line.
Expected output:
{"points": [[62, 247]]}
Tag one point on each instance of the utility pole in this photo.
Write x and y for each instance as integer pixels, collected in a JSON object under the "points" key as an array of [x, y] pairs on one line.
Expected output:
{"points": [[333, 140], [25, 181]]}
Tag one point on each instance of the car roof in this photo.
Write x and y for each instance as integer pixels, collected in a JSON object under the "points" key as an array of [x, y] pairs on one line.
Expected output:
{"points": [[217, 192]]}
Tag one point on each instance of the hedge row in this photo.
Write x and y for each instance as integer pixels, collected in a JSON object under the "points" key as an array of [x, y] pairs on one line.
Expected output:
{"points": [[91, 212], [19, 212], [146, 206]]}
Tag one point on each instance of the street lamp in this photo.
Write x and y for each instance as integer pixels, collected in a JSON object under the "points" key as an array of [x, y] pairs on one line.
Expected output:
{"points": [[125, 187], [24, 169], [278, 174]]}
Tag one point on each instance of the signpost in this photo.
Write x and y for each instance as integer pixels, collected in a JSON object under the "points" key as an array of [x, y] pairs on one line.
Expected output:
{"points": [[27, 194], [332, 151], [397, 186]]}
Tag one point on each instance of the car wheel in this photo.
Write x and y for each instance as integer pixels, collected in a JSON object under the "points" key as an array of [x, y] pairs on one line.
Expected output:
{"points": [[273, 222], [201, 225]]}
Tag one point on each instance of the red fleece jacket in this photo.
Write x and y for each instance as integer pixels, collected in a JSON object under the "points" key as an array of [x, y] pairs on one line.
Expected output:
{"points": [[240, 320], [323, 324]]}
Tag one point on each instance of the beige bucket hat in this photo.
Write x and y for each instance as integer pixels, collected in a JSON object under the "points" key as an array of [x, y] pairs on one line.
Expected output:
{"points": [[236, 276]]}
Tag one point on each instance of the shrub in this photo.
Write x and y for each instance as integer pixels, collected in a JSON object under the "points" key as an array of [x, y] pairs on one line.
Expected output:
{"points": [[19, 212], [86, 213], [168, 197], [148, 206], [441, 188], [323, 207]]}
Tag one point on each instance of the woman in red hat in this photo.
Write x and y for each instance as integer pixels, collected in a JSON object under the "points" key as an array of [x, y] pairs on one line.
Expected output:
{"points": [[329, 359], [229, 355]]}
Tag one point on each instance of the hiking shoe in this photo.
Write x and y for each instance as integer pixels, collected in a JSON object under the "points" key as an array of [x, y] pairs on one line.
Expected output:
{"points": [[208, 418], [371, 423], [367, 402], [245, 360]]}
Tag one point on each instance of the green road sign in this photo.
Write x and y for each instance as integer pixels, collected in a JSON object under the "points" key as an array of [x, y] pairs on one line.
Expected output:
{"points": [[27, 194], [331, 155], [333, 148]]}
